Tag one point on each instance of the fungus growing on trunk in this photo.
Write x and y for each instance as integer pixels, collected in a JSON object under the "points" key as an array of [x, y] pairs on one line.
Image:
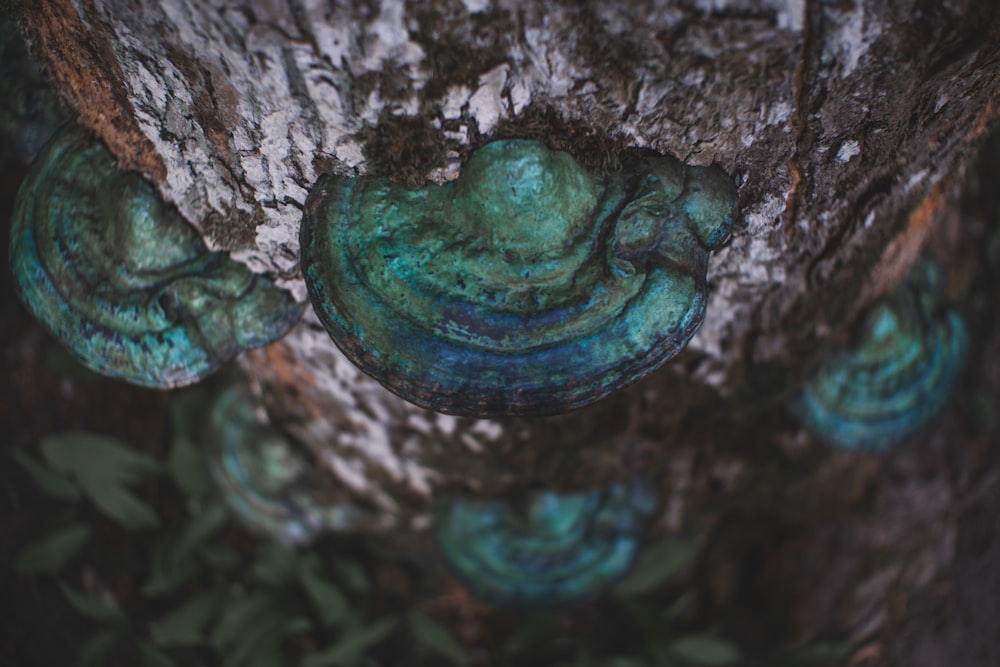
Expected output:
{"points": [[528, 286], [556, 549], [897, 375], [123, 281], [265, 479]]}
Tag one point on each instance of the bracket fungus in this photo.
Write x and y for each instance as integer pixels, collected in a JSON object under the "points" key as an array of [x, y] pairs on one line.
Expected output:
{"points": [[123, 281], [528, 286], [897, 375], [555, 549], [265, 479]]}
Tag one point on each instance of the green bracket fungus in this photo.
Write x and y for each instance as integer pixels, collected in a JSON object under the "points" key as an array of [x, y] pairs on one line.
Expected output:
{"points": [[123, 281], [557, 549], [266, 480], [898, 374], [528, 286]]}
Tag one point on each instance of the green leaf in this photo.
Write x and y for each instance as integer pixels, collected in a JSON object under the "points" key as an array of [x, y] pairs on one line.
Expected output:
{"points": [[262, 645], [813, 654], [185, 624], [275, 565], [86, 455], [533, 627], [663, 658], [269, 656], [352, 574], [168, 573], [331, 604], [48, 481], [235, 616], [95, 651], [187, 407], [648, 619], [679, 607], [153, 657], [172, 561], [188, 468], [352, 646], [123, 507], [705, 650], [91, 606], [261, 633], [656, 564], [50, 554], [296, 625], [437, 638], [187, 464], [198, 531], [104, 467], [221, 556], [625, 661]]}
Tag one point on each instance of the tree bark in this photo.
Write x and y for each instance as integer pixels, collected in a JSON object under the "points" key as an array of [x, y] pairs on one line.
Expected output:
{"points": [[847, 126]]}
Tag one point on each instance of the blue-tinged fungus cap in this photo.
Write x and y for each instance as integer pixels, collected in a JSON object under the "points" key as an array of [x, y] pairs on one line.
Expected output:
{"points": [[896, 376], [267, 480], [123, 281], [555, 549], [528, 286]]}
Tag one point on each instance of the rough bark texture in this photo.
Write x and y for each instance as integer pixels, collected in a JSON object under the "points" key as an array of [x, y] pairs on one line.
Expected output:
{"points": [[847, 127]]}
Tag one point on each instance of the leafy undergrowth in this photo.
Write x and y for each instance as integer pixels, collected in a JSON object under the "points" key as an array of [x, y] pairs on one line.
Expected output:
{"points": [[144, 552]]}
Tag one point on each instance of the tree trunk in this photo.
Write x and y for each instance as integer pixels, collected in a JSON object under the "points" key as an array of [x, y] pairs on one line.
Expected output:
{"points": [[847, 127]]}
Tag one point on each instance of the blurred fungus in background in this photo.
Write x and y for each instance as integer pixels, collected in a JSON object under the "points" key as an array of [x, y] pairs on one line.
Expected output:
{"points": [[271, 483], [554, 549], [898, 372]]}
